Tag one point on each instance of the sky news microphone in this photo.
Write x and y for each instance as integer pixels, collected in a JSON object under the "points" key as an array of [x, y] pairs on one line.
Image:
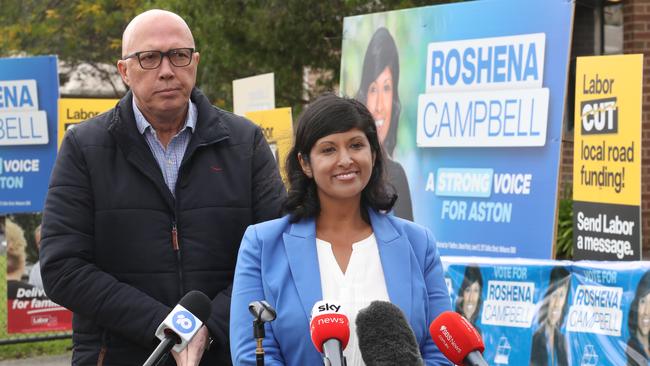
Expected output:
{"points": [[182, 323], [457, 339], [385, 336], [330, 332]]}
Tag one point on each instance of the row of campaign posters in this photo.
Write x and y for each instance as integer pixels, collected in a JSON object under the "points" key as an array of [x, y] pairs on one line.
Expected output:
{"points": [[542, 312], [469, 100]]}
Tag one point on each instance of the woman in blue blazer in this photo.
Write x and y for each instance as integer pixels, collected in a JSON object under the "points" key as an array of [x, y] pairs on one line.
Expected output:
{"points": [[336, 241]]}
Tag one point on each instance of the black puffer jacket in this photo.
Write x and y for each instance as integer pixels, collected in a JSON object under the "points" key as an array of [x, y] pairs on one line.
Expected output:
{"points": [[107, 251]]}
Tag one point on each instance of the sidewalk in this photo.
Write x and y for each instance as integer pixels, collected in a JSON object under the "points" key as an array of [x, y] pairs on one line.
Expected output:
{"points": [[60, 360]]}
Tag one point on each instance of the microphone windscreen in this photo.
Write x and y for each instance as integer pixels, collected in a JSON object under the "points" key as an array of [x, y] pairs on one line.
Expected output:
{"points": [[385, 336], [455, 336], [197, 303]]}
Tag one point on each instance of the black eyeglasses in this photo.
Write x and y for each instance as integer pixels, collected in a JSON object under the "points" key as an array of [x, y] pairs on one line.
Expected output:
{"points": [[150, 60]]}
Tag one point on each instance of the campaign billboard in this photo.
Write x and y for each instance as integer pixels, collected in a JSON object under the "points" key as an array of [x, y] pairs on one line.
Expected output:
{"points": [[607, 158], [470, 116], [29, 92]]}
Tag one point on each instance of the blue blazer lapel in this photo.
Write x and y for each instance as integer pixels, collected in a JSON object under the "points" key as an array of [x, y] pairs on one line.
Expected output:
{"points": [[395, 254], [300, 246]]}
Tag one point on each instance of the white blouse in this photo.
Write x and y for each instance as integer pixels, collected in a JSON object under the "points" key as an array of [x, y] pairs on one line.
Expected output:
{"points": [[362, 283]]}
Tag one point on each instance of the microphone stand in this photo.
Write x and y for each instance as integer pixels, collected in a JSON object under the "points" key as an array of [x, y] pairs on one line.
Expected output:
{"points": [[259, 334], [262, 312]]}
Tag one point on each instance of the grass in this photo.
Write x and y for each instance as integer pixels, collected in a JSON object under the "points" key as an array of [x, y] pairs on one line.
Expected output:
{"points": [[23, 350]]}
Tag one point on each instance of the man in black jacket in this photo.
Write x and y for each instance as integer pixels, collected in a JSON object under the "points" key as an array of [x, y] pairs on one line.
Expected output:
{"points": [[149, 201]]}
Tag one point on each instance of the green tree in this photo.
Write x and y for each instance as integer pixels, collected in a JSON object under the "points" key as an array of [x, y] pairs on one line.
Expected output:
{"points": [[241, 38], [236, 38], [79, 31]]}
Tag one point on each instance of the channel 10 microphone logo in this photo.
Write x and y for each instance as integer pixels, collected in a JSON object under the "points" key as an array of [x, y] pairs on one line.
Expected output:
{"points": [[184, 322], [599, 116]]}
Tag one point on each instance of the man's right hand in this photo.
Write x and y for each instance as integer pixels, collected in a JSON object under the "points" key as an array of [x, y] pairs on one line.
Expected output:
{"points": [[191, 355]]}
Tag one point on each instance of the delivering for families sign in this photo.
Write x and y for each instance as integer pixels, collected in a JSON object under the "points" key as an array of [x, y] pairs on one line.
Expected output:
{"points": [[29, 90], [29, 310], [470, 116]]}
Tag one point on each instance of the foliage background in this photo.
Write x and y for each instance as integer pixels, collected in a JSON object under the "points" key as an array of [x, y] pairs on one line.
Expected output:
{"points": [[236, 38]]}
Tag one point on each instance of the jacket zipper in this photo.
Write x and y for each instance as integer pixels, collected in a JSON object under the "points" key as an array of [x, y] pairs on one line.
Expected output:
{"points": [[175, 242], [179, 263]]}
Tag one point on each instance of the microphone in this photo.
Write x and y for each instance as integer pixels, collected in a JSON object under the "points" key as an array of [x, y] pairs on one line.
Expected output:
{"points": [[457, 339], [330, 332], [385, 336], [262, 312], [182, 323]]}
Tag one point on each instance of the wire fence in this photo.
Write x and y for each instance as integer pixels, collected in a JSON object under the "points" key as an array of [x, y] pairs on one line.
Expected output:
{"points": [[32, 339]]}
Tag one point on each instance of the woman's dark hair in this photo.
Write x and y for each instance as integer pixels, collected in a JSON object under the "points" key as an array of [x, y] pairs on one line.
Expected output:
{"points": [[559, 277], [330, 114], [642, 289], [382, 53], [472, 274]]}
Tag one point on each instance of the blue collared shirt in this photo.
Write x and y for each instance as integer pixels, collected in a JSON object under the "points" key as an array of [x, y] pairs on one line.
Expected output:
{"points": [[168, 159]]}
